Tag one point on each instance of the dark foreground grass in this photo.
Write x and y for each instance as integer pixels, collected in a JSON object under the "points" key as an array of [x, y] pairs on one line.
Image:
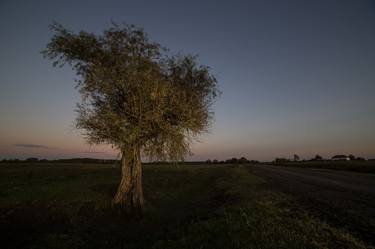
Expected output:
{"points": [[354, 166], [68, 206]]}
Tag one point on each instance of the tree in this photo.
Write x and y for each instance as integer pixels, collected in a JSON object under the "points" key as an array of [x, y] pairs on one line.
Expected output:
{"points": [[233, 160], [296, 157], [281, 160], [317, 158], [31, 159], [136, 98]]}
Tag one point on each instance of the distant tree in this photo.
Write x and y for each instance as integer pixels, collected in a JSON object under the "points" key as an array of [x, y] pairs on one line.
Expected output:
{"points": [[32, 159], [232, 160], [296, 157], [208, 161], [281, 160], [215, 161], [243, 160], [135, 98], [352, 157], [318, 158]]}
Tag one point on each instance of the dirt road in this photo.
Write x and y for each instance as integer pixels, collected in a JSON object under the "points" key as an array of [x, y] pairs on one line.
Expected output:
{"points": [[343, 199]]}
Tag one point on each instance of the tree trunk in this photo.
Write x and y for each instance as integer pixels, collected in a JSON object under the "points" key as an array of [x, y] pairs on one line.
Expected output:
{"points": [[129, 197]]}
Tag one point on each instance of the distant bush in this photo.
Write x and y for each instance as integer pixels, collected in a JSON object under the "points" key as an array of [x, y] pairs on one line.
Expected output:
{"points": [[317, 158], [281, 160], [32, 159], [243, 160]]}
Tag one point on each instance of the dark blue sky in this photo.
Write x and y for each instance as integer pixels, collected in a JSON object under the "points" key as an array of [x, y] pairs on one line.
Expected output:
{"points": [[297, 76]]}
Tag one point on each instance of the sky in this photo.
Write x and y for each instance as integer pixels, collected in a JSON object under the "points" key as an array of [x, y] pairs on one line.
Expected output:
{"points": [[297, 77]]}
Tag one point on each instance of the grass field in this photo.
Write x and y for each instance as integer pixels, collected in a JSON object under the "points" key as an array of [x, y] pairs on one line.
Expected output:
{"points": [[215, 206], [355, 166]]}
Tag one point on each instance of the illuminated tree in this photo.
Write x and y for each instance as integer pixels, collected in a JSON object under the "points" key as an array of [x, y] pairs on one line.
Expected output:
{"points": [[135, 98]]}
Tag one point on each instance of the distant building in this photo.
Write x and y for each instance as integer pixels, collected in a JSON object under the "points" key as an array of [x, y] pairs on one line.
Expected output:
{"points": [[340, 158]]}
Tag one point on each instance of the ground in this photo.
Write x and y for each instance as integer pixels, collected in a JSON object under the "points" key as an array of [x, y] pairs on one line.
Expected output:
{"points": [[196, 206], [362, 166], [343, 199]]}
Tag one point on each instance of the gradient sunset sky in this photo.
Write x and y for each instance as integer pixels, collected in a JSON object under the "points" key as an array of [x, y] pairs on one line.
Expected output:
{"points": [[298, 77]]}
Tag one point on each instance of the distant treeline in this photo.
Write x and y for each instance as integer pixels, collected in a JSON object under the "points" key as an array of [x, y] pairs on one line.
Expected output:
{"points": [[71, 160], [296, 158], [86, 160], [231, 161], [112, 161]]}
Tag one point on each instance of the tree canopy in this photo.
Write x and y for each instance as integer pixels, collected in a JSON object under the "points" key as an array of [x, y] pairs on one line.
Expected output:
{"points": [[134, 94]]}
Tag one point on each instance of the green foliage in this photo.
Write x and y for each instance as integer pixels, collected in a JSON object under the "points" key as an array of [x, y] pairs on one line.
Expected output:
{"points": [[133, 93]]}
